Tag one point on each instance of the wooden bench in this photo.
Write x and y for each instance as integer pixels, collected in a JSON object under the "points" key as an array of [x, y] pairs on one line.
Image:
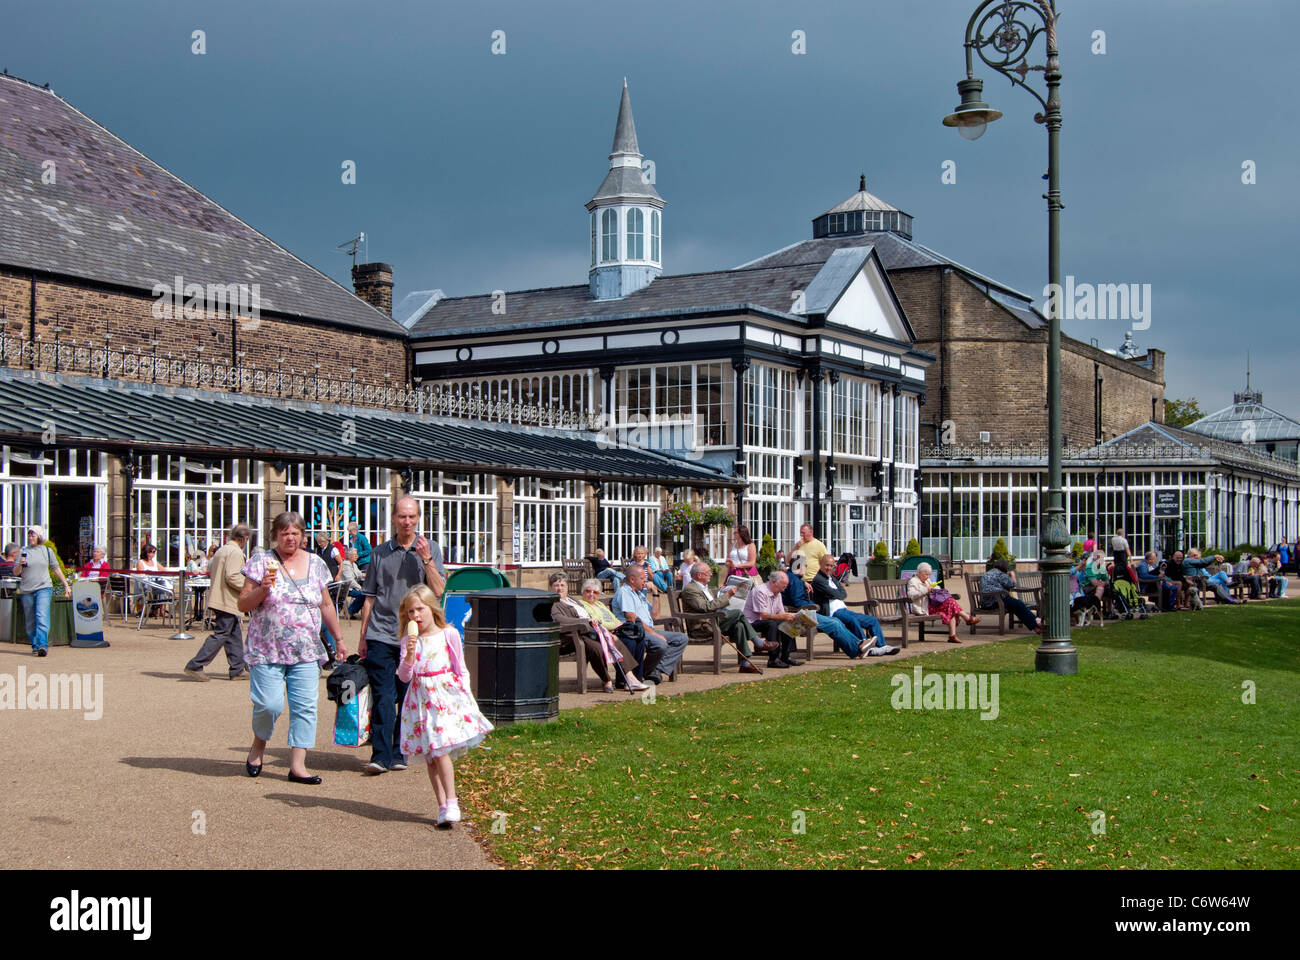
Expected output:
{"points": [[573, 634], [887, 602], [577, 571], [1029, 589], [691, 619]]}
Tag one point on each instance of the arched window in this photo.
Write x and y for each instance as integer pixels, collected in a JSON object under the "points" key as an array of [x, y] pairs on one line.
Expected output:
{"points": [[654, 235], [609, 235], [593, 239], [635, 234]]}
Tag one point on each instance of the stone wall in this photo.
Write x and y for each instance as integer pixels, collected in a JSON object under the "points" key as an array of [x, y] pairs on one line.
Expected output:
{"points": [[991, 369], [86, 314]]}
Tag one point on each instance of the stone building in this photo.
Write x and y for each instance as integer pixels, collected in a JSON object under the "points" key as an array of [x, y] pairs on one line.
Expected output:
{"points": [[168, 371]]}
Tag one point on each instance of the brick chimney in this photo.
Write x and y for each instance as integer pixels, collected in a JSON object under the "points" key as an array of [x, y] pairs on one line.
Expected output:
{"points": [[373, 283]]}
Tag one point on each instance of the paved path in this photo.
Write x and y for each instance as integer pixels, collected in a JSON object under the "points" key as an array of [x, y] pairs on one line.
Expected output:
{"points": [[132, 788]]}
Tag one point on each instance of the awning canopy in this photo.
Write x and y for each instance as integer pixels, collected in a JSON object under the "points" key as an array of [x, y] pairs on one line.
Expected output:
{"points": [[75, 411]]}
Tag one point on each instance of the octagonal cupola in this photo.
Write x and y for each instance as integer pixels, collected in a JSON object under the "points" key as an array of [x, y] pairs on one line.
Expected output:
{"points": [[626, 217], [862, 213]]}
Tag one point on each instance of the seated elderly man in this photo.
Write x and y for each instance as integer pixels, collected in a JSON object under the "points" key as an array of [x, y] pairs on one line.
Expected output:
{"points": [[697, 598], [795, 596], [765, 611], [830, 593], [1148, 570], [664, 649]]}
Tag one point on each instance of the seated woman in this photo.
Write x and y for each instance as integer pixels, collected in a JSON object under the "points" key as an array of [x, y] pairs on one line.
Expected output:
{"points": [[743, 556], [94, 567], [1219, 579], [684, 571], [927, 598], [999, 580], [660, 571], [603, 648], [1095, 578], [148, 562]]}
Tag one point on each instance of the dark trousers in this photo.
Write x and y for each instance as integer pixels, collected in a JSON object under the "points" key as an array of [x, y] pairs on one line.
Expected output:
{"points": [[225, 635], [1016, 607], [771, 631], [386, 696]]}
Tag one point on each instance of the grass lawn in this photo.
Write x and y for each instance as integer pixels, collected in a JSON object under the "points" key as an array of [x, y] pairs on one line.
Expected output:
{"points": [[1153, 731]]}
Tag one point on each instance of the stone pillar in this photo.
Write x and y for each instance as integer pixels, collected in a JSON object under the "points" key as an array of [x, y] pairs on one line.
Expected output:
{"points": [[273, 483], [506, 520], [119, 533], [590, 518]]}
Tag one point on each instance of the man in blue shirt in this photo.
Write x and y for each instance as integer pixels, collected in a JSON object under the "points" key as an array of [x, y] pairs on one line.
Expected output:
{"points": [[664, 649], [795, 597]]}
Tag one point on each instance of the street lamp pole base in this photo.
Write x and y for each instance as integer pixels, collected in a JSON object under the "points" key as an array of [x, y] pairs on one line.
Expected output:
{"points": [[1056, 656]]}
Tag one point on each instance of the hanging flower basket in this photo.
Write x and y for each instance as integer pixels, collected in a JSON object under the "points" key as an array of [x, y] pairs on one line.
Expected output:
{"points": [[678, 518], [711, 517]]}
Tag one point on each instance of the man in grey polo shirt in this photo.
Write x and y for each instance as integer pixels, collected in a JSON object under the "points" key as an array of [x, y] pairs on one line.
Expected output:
{"points": [[396, 566]]}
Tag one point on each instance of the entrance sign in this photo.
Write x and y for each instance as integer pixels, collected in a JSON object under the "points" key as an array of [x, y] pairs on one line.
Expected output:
{"points": [[1168, 504], [87, 614]]}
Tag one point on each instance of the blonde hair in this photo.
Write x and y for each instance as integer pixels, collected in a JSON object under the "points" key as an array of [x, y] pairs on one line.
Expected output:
{"points": [[422, 593]]}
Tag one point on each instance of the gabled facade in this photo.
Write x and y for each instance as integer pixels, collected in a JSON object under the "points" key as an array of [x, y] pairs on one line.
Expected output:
{"points": [[801, 380]]}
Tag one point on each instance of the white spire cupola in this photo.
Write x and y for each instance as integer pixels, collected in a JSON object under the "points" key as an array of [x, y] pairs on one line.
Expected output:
{"points": [[626, 218]]}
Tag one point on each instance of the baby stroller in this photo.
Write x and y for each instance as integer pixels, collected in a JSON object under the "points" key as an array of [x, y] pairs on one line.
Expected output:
{"points": [[846, 564], [1126, 601]]}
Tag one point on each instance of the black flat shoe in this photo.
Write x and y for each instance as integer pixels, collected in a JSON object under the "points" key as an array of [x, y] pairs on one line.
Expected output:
{"points": [[294, 778], [252, 770]]}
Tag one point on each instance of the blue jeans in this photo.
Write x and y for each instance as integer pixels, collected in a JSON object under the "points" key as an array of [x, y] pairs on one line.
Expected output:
{"points": [[609, 573], [386, 696], [358, 601], [861, 625], [36, 614], [839, 633], [662, 579], [267, 683]]}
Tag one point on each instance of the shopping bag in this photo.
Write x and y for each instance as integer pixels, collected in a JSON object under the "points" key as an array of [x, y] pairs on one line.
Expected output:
{"points": [[352, 719]]}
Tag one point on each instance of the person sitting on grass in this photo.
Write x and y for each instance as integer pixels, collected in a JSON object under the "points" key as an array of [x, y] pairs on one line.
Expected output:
{"points": [[999, 579], [928, 598], [795, 596], [830, 595]]}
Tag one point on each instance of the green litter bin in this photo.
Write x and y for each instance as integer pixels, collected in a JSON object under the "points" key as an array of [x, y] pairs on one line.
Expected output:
{"points": [[473, 579], [62, 630]]}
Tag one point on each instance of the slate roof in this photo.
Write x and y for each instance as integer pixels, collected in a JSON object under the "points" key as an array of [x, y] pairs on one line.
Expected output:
{"points": [[769, 287], [114, 216], [88, 411], [1231, 423], [1153, 440], [899, 253]]}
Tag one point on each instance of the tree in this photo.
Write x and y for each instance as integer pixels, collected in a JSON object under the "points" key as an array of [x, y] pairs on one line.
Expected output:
{"points": [[1179, 413]]}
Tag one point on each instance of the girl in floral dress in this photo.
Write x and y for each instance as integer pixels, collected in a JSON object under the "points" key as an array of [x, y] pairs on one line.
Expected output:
{"points": [[440, 718]]}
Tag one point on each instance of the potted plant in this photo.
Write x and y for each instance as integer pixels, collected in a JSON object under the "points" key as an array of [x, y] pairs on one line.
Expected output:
{"points": [[913, 549], [766, 556], [881, 566], [1000, 553]]}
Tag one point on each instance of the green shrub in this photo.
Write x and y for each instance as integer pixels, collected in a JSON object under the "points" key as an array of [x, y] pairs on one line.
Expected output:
{"points": [[913, 548], [766, 556], [1076, 551], [881, 552], [1000, 551]]}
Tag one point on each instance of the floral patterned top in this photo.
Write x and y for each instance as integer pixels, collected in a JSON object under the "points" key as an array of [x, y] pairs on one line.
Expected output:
{"points": [[286, 627]]}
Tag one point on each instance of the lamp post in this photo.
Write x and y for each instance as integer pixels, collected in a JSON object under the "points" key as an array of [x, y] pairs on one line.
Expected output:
{"points": [[1002, 34]]}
